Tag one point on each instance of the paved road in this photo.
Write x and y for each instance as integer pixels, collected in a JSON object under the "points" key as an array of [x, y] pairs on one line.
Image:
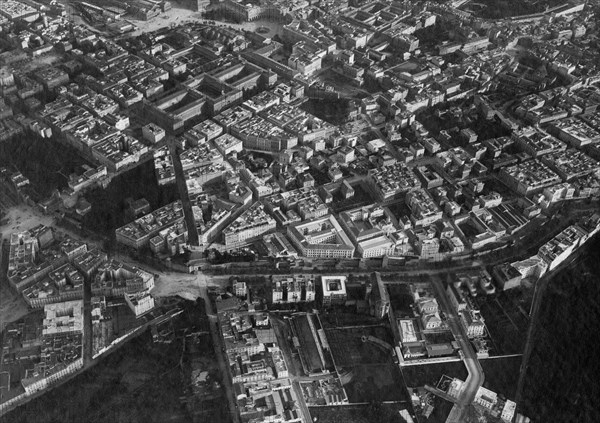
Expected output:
{"points": [[476, 376]]}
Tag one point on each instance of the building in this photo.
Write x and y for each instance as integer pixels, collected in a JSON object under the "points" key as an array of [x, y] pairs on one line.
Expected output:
{"points": [[63, 318], [536, 142], [227, 144], [153, 133], [305, 201], [379, 299], [248, 227], [408, 334], [334, 290], [138, 233], [293, 289], [528, 177], [533, 267], [507, 276], [561, 246], [240, 289], [140, 302], [322, 237], [423, 209], [571, 164], [389, 181], [62, 284], [372, 229], [259, 134], [429, 311], [456, 297], [472, 322]]}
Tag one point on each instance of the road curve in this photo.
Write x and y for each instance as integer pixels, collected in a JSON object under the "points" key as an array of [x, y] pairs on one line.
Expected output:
{"points": [[476, 377]]}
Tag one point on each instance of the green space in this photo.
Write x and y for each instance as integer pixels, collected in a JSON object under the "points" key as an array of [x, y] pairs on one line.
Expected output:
{"points": [[332, 111], [373, 412], [485, 129], [45, 162], [377, 382], [500, 9], [349, 349], [399, 208], [138, 383], [502, 374], [561, 380], [506, 319], [440, 337], [142, 381], [345, 316], [441, 410], [362, 197], [401, 299], [429, 374], [108, 205]]}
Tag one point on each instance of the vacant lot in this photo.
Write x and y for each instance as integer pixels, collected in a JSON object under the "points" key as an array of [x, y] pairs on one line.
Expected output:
{"points": [[429, 374], [349, 350], [502, 375], [138, 383], [341, 316], [401, 299], [361, 197], [387, 413], [377, 382], [506, 320]]}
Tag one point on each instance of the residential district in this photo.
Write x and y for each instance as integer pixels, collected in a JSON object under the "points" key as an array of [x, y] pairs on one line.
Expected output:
{"points": [[370, 194]]}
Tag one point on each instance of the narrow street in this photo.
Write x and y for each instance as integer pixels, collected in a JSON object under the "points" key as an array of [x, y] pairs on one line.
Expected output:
{"points": [[190, 222], [224, 367]]}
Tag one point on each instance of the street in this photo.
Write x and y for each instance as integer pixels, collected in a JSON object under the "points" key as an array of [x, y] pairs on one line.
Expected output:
{"points": [[190, 222], [476, 377]]}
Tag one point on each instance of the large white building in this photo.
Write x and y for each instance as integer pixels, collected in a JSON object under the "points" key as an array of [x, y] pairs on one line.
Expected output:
{"points": [[322, 237], [139, 302], [372, 229], [334, 290], [293, 289], [63, 318], [251, 225]]}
